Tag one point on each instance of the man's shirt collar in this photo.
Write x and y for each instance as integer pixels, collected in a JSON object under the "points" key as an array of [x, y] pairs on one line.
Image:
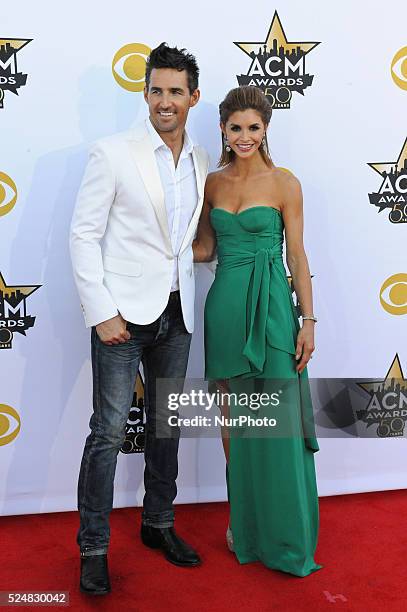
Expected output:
{"points": [[158, 141]]}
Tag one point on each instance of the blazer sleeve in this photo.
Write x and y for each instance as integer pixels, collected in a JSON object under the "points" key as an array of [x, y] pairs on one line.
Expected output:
{"points": [[95, 198]]}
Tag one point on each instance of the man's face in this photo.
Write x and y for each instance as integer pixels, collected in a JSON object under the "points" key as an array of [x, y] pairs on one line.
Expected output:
{"points": [[169, 99]]}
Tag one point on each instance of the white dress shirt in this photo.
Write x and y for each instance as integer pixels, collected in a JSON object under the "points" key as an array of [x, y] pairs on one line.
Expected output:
{"points": [[180, 190]]}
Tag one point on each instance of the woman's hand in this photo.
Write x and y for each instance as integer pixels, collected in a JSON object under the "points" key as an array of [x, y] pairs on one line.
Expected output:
{"points": [[305, 345]]}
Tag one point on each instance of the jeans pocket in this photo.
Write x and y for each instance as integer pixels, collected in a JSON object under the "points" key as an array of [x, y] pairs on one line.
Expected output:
{"points": [[137, 329]]}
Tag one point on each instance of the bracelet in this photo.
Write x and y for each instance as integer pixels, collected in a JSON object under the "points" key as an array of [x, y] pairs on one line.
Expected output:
{"points": [[309, 318]]}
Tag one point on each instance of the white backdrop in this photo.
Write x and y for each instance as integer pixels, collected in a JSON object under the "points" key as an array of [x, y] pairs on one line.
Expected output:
{"points": [[353, 114]]}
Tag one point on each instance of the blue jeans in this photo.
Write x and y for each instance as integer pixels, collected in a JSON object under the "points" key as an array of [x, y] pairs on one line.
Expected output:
{"points": [[163, 349]]}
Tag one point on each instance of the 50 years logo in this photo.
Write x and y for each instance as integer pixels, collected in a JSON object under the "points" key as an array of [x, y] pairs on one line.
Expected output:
{"points": [[135, 426], [392, 193], [387, 406], [277, 66], [10, 77], [13, 311]]}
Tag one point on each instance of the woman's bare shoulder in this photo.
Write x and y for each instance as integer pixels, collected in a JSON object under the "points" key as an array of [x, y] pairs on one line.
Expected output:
{"points": [[218, 175], [289, 184], [214, 179], [285, 176]]}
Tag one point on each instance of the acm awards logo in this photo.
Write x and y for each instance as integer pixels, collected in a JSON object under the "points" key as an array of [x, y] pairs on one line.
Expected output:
{"points": [[277, 66], [135, 426], [393, 294], [129, 66], [10, 424], [10, 77], [392, 193], [14, 317], [387, 405], [8, 194]]}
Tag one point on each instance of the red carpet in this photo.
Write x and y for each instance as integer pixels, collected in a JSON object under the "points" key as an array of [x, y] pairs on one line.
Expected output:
{"points": [[362, 546]]}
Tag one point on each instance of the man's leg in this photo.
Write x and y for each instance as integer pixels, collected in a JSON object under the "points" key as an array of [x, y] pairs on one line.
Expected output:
{"points": [[166, 358], [114, 374]]}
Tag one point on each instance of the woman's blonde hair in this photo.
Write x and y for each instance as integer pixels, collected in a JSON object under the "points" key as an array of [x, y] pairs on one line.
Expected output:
{"points": [[241, 99]]}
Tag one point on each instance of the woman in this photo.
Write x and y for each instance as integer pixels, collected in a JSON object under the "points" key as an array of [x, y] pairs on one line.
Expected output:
{"points": [[253, 341]]}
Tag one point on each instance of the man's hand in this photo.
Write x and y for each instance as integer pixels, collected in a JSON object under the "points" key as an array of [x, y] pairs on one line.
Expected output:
{"points": [[113, 331]]}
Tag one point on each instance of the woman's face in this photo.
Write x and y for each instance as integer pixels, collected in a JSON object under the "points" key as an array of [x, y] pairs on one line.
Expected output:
{"points": [[245, 131]]}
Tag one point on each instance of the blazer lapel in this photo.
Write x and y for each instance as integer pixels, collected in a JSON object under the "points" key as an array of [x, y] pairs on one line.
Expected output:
{"points": [[144, 156], [200, 174]]}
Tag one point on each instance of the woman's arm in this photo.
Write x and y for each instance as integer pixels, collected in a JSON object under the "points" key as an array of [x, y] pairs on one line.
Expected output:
{"points": [[204, 245], [298, 265]]}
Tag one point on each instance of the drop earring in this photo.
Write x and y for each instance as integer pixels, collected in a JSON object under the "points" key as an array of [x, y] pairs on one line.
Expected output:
{"points": [[227, 145], [263, 142]]}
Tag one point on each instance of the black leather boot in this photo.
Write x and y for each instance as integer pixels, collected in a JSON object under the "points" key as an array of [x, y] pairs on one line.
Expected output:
{"points": [[174, 548], [94, 575]]}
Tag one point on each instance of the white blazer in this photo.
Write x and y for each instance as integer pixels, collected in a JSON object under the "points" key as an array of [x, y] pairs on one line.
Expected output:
{"points": [[120, 243]]}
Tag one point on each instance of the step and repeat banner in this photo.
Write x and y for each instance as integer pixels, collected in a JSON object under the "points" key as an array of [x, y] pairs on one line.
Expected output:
{"points": [[337, 79]]}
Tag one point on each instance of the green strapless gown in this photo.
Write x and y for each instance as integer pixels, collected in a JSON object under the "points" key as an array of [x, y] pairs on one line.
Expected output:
{"points": [[251, 328]]}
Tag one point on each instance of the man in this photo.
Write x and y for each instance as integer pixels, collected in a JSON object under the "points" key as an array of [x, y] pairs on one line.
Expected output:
{"points": [[142, 193]]}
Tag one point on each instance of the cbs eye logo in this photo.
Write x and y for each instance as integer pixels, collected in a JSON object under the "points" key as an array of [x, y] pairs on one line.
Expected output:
{"points": [[399, 68], [129, 66], [8, 194], [10, 424], [393, 294]]}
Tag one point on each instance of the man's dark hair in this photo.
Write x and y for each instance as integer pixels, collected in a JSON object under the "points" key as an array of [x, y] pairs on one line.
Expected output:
{"points": [[164, 56]]}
